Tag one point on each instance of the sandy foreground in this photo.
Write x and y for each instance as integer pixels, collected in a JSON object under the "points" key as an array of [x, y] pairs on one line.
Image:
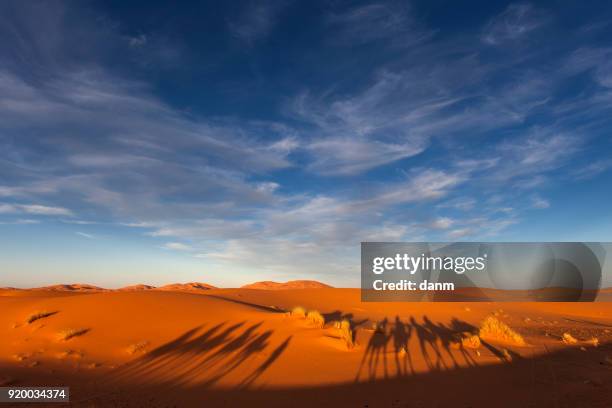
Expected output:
{"points": [[240, 347]]}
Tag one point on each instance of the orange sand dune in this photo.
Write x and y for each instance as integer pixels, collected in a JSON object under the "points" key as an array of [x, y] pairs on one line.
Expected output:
{"points": [[137, 287], [294, 284], [240, 347], [72, 287], [191, 286]]}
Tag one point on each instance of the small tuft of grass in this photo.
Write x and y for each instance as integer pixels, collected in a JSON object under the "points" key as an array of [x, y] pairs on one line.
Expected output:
{"points": [[593, 341], [39, 315], [316, 318], [346, 333], [471, 342], [21, 356], [67, 334], [567, 338], [493, 328], [298, 312], [139, 347]]}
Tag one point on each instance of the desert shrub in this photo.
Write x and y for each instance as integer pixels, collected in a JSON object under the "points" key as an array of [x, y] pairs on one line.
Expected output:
{"points": [[67, 334], [316, 318], [493, 328], [346, 333], [594, 341], [139, 347], [298, 312], [569, 339], [38, 315], [471, 342]]}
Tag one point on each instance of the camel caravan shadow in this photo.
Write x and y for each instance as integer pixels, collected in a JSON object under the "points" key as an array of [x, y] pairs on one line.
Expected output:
{"points": [[203, 357], [388, 352]]}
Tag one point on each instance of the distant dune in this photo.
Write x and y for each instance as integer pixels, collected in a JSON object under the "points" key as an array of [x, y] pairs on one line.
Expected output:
{"points": [[295, 284], [190, 286], [73, 287], [133, 288]]}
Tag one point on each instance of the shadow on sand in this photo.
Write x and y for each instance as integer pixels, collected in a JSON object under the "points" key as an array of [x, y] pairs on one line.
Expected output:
{"points": [[439, 345], [205, 356]]}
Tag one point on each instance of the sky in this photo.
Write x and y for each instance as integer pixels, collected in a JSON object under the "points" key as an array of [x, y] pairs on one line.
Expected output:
{"points": [[153, 142]]}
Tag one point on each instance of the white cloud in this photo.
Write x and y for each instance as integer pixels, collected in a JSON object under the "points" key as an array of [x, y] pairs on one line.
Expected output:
{"points": [[35, 209], [516, 21], [8, 209], [85, 235], [590, 170], [392, 22], [441, 223], [45, 210], [459, 233], [540, 203], [177, 246], [26, 221], [256, 21], [137, 41]]}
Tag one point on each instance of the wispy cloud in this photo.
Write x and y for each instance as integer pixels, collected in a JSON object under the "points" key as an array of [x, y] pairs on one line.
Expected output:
{"points": [[592, 169], [540, 203], [177, 246], [45, 210], [256, 21], [35, 209], [85, 235], [392, 22], [515, 22]]}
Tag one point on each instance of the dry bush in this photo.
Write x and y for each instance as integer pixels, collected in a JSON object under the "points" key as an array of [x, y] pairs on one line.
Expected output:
{"points": [[569, 339], [346, 333], [139, 347], [493, 328], [38, 315], [593, 341], [316, 318], [298, 312], [471, 341], [67, 334]]}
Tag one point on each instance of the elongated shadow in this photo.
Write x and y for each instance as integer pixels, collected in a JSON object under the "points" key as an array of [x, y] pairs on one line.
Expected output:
{"points": [[204, 358]]}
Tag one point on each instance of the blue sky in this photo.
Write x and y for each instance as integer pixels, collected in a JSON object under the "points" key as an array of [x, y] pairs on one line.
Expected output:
{"points": [[229, 143]]}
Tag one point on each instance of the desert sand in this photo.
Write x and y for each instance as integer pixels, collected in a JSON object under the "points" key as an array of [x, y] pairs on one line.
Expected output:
{"points": [[196, 345]]}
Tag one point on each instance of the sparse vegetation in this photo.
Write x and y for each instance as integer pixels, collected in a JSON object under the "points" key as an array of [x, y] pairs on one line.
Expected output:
{"points": [[470, 342], [38, 315], [346, 333], [139, 347], [316, 318], [568, 338], [70, 354], [67, 334], [21, 356], [594, 341], [298, 312], [495, 329]]}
